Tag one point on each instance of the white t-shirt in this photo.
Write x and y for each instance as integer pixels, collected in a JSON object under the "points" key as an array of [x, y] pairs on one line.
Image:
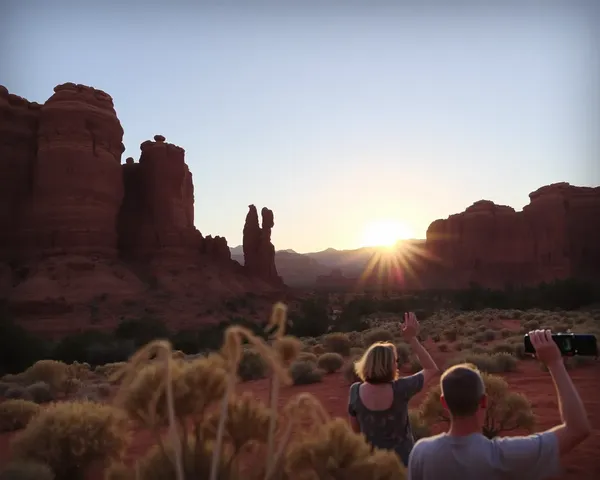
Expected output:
{"points": [[475, 457]]}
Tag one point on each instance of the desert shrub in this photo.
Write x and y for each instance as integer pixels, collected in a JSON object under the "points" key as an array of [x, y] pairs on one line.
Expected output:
{"points": [[337, 343], [461, 345], [26, 471], [318, 349], [451, 334], [377, 335], [311, 319], [252, 366], [109, 369], [53, 373], [496, 363], [4, 386], [18, 392], [16, 414], [436, 337], [330, 362], [443, 347], [489, 335], [71, 436], [530, 325], [419, 428], [308, 357], [178, 355], [304, 373], [356, 351], [309, 341], [40, 392], [414, 366], [403, 351], [519, 351], [479, 337], [349, 371], [506, 410], [503, 347], [505, 333]]}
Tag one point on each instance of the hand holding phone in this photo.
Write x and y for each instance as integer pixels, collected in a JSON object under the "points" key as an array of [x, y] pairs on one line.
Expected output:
{"points": [[569, 344]]}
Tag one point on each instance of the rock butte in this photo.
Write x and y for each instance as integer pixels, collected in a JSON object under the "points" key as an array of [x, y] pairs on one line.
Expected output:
{"points": [[556, 236], [72, 214]]}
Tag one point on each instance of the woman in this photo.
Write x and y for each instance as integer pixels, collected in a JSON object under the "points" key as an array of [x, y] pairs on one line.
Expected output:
{"points": [[378, 406]]}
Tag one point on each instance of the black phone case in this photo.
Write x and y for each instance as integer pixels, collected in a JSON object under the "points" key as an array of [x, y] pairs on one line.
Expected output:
{"points": [[581, 344]]}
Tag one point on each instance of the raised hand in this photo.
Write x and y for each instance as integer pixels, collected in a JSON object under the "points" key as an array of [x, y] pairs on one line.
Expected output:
{"points": [[410, 327], [545, 347]]}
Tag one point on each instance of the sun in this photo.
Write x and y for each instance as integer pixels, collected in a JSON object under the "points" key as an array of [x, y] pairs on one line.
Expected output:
{"points": [[385, 233]]}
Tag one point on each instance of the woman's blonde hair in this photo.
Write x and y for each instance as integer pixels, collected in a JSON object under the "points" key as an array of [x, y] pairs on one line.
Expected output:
{"points": [[379, 364]]}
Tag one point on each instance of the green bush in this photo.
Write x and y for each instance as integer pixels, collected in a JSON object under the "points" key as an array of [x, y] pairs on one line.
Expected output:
{"points": [[252, 366], [377, 335], [330, 362], [337, 343], [304, 373]]}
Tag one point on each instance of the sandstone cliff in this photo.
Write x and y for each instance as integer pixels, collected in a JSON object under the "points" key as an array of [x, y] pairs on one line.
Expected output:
{"points": [[77, 225], [556, 236]]}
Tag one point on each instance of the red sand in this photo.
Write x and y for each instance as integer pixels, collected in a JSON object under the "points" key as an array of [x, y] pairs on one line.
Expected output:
{"points": [[583, 463]]}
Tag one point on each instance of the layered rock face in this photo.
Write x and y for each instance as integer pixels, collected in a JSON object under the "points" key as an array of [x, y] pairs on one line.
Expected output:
{"points": [[76, 184], [64, 191], [18, 146], [556, 236], [259, 252]]}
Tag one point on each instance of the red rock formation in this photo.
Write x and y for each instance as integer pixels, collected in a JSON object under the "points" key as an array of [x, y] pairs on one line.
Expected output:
{"points": [[157, 216], [72, 217], [76, 185], [259, 252], [555, 236], [18, 145]]}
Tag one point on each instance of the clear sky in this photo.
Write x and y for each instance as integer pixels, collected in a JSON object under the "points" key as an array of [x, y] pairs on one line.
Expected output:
{"points": [[332, 116]]}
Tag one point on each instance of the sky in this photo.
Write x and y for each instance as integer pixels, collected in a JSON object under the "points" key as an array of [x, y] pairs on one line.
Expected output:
{"points": [[334, 115]]}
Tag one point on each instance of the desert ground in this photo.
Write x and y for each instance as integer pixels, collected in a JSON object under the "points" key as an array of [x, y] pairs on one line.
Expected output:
{"points": [[474, 336]]}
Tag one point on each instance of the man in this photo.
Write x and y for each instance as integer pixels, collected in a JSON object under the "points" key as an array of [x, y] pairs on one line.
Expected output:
{"points": [[463, 453]]}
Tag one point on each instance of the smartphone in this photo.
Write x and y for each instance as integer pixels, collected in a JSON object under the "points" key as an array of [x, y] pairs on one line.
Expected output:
{"points": [[570, 344]]}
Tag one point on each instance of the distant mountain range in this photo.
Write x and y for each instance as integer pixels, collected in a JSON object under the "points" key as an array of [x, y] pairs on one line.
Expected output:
{"points": [[302, 269]]}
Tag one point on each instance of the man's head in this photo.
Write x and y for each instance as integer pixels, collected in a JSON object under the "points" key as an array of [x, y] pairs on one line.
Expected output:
{"points": [[463, 391]]}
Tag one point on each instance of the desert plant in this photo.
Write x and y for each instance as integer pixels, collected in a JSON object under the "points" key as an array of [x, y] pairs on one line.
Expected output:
{"points": [[304, 373], [17, 392], [414, 365], [71, 436], [337, 343], [443, 347], [40, 392], [318, 349], [506, 411], [213, 444], [403, 351], [349, 371], [489, 335], [505, 333], [496, 363], [340, 451], [4, 386], [54, 373], [16, 414], [26, 471], [377, 335], [307, 356], [419, 428], [451, 334], [252, 366], [330, 362]]}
